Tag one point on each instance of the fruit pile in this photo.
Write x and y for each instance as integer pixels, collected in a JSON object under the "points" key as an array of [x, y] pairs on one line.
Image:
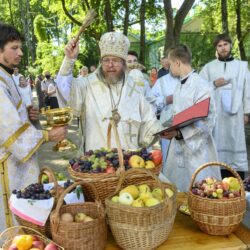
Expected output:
{"points": [[106, 160], [247, 184], [79, 217], [30, 242], [211, 188], [33, 191], [141, 196]]}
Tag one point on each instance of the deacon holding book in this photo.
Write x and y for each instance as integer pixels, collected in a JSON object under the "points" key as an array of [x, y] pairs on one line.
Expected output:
{"points": [[107, 94], [193, 145], [230, 82]]}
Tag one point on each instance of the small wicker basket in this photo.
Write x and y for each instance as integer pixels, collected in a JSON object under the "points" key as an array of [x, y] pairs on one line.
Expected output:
{"points": [[45, 230], [8, 235], [217, 216], [141, 227], [79, 235]]}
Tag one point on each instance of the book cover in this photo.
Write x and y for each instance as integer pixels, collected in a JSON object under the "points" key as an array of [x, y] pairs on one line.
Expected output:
{"points": [[188, 116]]}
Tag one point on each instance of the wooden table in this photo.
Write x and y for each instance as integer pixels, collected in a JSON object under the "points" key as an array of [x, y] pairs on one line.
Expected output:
{"points": [[186, 235]]}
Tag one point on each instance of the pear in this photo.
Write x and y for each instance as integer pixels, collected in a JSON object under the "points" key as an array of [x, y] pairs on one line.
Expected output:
{"points": [[144, 188], [150, 202], [138, 203], [132, 189]]}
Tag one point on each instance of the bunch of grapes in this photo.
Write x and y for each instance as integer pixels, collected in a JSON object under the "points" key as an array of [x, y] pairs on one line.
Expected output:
{"points": [[247, 184], [34, 192], [67, 183]]}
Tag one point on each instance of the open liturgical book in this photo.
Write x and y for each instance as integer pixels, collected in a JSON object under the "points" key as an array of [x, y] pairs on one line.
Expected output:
{"points": [[188, 116]]}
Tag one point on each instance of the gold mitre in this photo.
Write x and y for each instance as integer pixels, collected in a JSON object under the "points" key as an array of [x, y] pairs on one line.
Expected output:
{"points": [[114, 44]]}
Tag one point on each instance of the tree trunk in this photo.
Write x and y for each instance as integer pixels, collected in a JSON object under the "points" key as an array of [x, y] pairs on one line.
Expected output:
{"points": [[224, 15], [126, 18], [174, 25], [142, 35], [238, 30], [108, 16]]}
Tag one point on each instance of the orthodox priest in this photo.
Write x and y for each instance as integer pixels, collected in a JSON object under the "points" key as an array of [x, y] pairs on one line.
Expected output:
{"points": [[108, 93], [230, 81], [19, 139]]}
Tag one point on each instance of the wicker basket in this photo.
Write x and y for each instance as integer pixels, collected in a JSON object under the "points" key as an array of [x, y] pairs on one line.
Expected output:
{"points": [[79, 235], [217, 216], [8, 235], [141, 227], [106, 183], [45, 230]]}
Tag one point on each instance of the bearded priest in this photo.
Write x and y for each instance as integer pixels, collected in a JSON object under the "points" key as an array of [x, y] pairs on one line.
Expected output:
{"points": [[108, 93]]}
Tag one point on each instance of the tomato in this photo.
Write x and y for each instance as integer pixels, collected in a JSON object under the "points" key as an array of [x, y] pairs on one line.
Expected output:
{"points": [[156, 156]]}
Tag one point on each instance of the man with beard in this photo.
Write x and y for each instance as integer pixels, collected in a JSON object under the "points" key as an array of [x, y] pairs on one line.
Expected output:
{"points": [[108, 93], [19, 139], [229, 79]]}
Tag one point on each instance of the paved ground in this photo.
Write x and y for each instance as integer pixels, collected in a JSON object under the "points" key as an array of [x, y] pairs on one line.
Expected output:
{"points": [[58, 160]]}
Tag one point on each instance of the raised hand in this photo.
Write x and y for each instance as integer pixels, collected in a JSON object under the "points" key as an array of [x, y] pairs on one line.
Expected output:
{"points": [[72, 49]]}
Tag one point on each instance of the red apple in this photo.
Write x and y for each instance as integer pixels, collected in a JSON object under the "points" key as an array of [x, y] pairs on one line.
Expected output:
{"points": [[51, 246], [110, 170], [13, 247], [38, 244], [156, 156]]}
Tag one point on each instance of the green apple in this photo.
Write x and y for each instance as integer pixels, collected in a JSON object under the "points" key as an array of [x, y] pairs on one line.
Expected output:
{"points": [[126, 198], [80, 217], [145, 195], [157, 193], [169, 192], [138, 203], [144, 188], [115, 198], [150, 202]]}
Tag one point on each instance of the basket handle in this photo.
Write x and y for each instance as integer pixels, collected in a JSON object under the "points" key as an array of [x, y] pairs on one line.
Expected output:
{"points": [[133, 172], [46, 170], [220, 164], [56, 212], [113, 125]]}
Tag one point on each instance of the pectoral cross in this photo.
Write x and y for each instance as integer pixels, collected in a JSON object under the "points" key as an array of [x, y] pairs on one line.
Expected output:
{"points": [[133, 89], [130, 132], [116, 116]]}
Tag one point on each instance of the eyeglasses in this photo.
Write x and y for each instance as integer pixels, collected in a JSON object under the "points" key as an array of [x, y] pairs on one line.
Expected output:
{"points": [[114, 61], [132, 61]]}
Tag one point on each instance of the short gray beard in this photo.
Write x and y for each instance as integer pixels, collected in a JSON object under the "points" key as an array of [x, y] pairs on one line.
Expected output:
{"points": [[111, 79]]}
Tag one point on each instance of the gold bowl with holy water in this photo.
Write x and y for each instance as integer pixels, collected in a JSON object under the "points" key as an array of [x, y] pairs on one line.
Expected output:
{"points": [[58, 117]]}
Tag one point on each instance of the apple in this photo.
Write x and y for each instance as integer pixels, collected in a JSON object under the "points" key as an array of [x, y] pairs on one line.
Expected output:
{"points": [[135, 161], [138, 203], [88, 218], [23, 242], [110, 170], [169, 192], [37, 244], [132, 189], [157, 193], [149, 165], [80, 217], [115, 198], [150, 202], [13, 247], [67, 217], [144, 188], [225, 185], [34, 248], [156, 156], [145, 195], [126, 199], [51, 246]]}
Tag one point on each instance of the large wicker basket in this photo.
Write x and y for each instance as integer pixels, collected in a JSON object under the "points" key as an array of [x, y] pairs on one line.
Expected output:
{"points": [[217, 216], [141, 228], [79, 235], [8, 235], [106, 183], [45, 230]]}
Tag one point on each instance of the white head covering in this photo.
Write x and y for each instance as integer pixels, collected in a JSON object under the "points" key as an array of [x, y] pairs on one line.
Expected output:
{"points": [[114, 44]]}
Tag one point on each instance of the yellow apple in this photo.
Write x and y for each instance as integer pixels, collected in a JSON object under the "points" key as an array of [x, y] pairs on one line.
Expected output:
{"points": [[138, 203], [150, 202], [169, 192], [132, 189], [126, 198], [115, 198], [157, 193], [135, 161], [88, 218], [145, 195], [149, 165], [144, 188], [80, 217]]}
